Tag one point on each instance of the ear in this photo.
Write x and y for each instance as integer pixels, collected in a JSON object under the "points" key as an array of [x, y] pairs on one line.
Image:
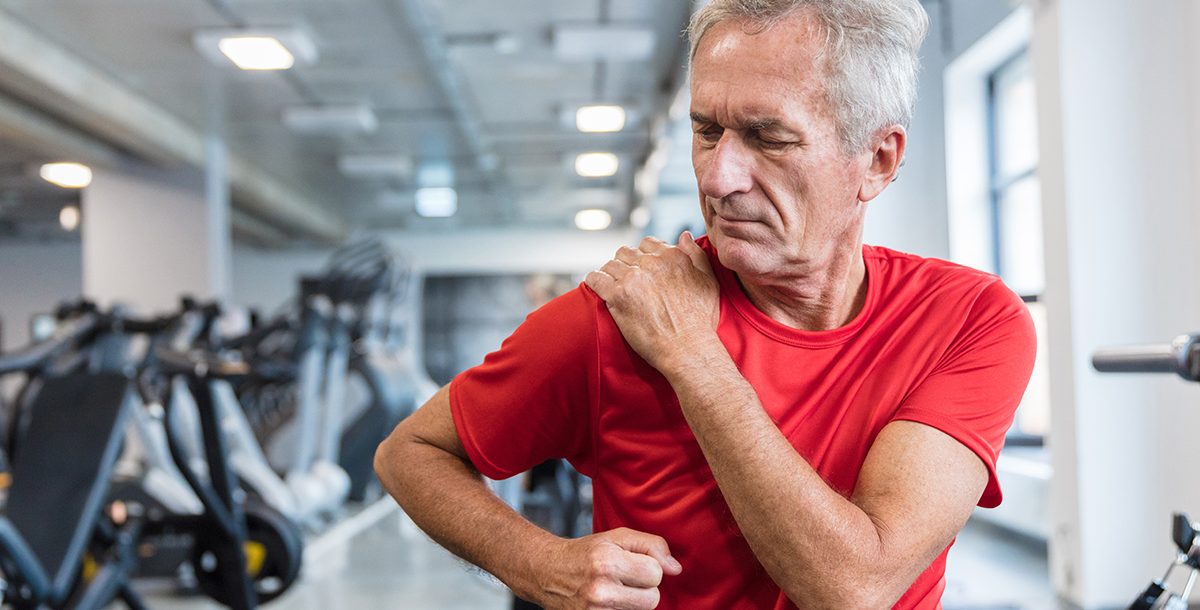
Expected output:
{"points": [[885, 162]]}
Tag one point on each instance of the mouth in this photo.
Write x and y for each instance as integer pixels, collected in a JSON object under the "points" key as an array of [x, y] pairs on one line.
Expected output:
{"points": [[734, 227]]}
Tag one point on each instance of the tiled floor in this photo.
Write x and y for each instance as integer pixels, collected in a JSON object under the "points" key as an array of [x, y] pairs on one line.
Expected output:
{"points": [[393, 565]]}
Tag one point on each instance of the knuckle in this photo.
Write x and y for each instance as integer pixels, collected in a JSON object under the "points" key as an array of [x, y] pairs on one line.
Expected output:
{"points": [[627, 251], [601, 562], [597, 594], [655, 597]]}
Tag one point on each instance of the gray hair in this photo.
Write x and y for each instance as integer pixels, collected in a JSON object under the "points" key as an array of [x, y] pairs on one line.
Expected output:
{"points": [[871, 51]]}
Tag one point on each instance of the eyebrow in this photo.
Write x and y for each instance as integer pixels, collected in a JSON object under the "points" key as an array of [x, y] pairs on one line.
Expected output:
{"points": [[759, 124]]}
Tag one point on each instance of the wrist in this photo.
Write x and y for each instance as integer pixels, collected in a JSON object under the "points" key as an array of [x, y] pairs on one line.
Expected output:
{"points": [[534, 573], [695, 360]]}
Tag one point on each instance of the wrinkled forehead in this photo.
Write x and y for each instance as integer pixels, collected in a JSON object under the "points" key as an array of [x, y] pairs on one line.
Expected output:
{"points": [[797, 40], [747, 71]]}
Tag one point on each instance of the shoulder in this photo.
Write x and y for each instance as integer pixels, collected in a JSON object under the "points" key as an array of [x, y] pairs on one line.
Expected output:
{"points": [[956, 295], [940, 281]]}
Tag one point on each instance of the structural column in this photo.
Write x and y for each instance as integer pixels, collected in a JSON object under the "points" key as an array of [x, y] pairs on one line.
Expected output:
{"points": [[1116, 84]]}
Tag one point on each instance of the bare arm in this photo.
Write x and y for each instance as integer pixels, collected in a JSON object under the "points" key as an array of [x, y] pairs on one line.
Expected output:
{"points": [[424, 466], [915, 491]]}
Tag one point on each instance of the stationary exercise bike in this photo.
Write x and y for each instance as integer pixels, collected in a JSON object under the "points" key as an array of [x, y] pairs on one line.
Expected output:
{"points": [[1181, 357]]}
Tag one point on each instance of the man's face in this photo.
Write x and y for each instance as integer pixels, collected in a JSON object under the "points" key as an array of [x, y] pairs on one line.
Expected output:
{"points": [[778, 193]]}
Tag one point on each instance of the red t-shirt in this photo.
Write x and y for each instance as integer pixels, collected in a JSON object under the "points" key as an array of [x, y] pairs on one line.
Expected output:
{"points": [[935, 343]]}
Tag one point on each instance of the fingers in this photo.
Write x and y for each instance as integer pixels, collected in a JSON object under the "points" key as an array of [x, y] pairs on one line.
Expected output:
{"points": [[647, 544], [694, 252], [601, 283], [604, 281], [616, 597], [653, 245], [628, 255], [617, 269]]}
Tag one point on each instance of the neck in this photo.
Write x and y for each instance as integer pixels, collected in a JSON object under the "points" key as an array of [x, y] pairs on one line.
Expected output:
{"points": [[822, 295]]}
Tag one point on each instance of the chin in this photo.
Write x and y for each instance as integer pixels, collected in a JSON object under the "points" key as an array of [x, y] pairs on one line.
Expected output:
{"points": [[739, 256]]}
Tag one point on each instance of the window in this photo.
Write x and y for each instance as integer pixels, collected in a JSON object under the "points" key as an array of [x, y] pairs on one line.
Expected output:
{"points": [[1016, 191], [1016, 218]]}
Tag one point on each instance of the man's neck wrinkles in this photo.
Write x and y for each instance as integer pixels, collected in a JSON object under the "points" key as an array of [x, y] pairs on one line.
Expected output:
{"points": [[821, 297]]}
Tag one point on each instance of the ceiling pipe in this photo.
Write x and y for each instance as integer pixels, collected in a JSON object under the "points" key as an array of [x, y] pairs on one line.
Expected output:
{"points": [[414, 19]]}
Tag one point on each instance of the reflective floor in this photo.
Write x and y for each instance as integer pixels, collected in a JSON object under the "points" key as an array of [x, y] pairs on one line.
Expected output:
{"points": [[392, 565]]}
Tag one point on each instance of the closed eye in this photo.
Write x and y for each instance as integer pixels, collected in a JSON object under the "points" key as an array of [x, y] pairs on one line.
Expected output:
{"points": [[709, 134]]}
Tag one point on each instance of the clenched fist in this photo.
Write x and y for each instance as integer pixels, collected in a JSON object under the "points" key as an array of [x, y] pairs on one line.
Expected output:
{"points": [[615, 570]]}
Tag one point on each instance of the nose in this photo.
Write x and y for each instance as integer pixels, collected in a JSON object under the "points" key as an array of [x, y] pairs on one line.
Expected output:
{"points": [[724, 169]]}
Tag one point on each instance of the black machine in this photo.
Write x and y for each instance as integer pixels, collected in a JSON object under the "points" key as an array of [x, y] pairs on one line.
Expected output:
{"points": [[1180, 357], [55, 526], [72, 538]]}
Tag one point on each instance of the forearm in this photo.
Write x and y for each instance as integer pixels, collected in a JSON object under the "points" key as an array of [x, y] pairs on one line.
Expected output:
{"points": [[449, 501], [821, 548]]}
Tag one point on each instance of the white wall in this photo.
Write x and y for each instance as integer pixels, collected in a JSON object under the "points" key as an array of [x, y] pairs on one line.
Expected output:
{"points": [[147, 239], [1117, 105], [34, 279]]}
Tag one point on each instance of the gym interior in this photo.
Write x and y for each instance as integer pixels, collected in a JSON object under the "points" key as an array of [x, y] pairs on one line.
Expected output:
{"points": [[240, 240]]}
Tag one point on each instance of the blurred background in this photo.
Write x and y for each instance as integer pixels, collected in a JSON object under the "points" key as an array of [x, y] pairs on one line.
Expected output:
{"points": [[500, 150]]}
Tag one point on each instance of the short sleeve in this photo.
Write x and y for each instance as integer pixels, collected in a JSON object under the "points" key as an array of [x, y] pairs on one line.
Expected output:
{"points": [[973, 393], [531, 400]]}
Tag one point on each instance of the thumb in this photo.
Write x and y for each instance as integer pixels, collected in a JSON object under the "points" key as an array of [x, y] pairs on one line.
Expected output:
{"points": [[647, 544], [694, 252]]}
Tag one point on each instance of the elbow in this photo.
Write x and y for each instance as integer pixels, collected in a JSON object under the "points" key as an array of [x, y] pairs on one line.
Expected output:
{"points": [[387, 456], [852, 593], [866, 579]]}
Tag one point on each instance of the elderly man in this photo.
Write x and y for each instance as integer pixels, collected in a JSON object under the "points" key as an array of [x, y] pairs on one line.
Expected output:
{"points": [[774, 416]]}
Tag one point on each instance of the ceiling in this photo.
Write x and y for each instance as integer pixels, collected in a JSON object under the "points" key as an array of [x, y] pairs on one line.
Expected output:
{"points": [[443, 92]]}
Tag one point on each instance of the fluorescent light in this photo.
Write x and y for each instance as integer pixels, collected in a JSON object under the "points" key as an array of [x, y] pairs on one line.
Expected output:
{"points": [[258, 48], [593, 220], [257, 53], [437, 202], [375, 166], [600, 119], [330, 120], [597, 165], [597, 42], [68, 218], [67, 175]]}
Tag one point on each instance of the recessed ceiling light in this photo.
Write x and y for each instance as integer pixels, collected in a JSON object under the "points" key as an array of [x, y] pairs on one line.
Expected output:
{"points": [[593, 220], [257, 53], [597, 165], [257, 49], [600, 119], [330, 120], [437, 202], [67, 175], [68, 218]]}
